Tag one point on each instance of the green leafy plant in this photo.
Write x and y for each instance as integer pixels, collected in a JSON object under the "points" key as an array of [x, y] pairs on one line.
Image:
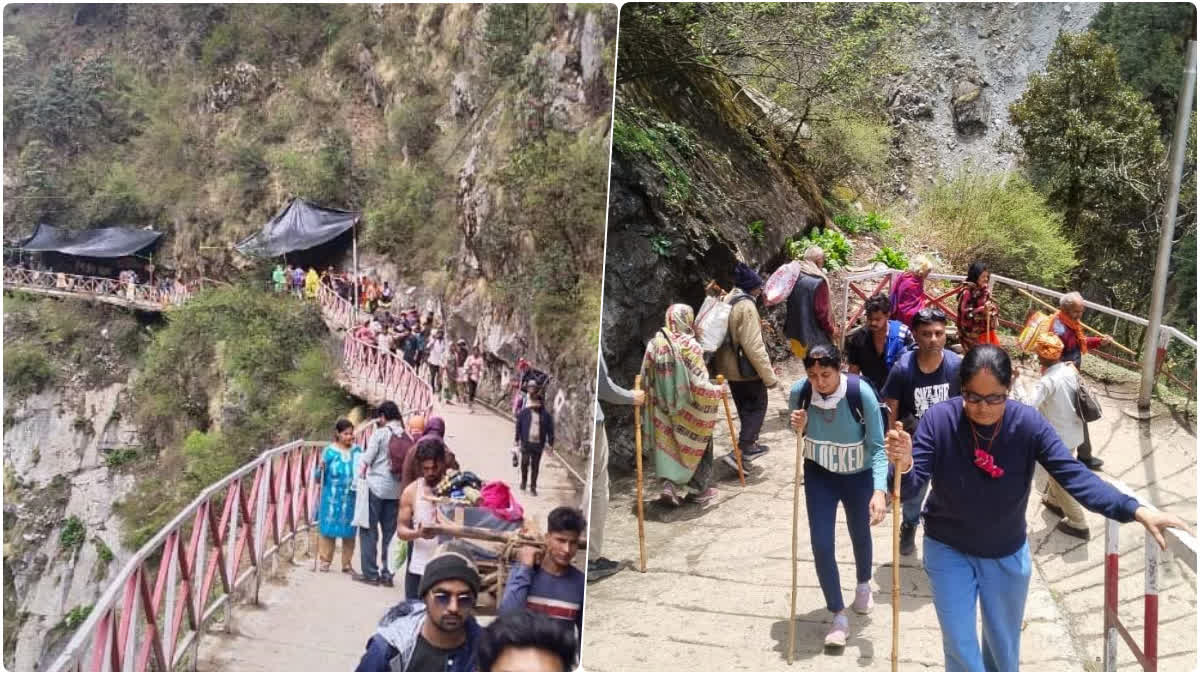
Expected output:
{"points": [[119, 457], [837, 249], [757, 231], [634, 132], [73, 534], [76, 616], [856, 223], [892, 258], [103, 552], [661, 244]]}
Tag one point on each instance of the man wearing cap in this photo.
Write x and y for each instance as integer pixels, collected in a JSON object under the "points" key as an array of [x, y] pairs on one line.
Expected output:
{"points": [[438, 632], [1054, 397], [743, 360]]}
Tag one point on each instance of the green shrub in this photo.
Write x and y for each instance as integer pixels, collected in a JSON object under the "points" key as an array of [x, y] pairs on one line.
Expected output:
{"points": [[757, 231], [661, 244], [858, 223], [119, 457], [509, 31], [892, 258], [852, 147], [103, 552], [1006, 223], [837, 249], [322, 176], [76, 616], [640, 135], [26, 370], [411, 123], [409, 217], [73, 535]]}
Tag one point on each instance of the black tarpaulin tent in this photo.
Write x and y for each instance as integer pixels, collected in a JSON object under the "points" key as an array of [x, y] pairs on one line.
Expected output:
{"points": [[300, 225], [103, 242]]}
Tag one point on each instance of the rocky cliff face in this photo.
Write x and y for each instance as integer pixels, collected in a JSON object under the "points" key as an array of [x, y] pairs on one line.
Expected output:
{"points": [[63, 448], [949, 111]]}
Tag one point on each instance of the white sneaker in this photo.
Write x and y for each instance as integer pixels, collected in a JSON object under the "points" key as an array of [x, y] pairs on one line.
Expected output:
{"points": [[864, 600], [836, 637]]}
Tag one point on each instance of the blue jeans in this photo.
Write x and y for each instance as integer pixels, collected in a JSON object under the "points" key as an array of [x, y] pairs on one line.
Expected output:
{"points": [[911, 507], [383, 517], [998, 585], [823, 489]]}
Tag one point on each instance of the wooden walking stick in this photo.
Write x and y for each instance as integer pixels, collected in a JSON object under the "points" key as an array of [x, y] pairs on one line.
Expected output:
{"points": [[637, 435], [1085, 326], [737, 451], [896, 565], [795, 524]]}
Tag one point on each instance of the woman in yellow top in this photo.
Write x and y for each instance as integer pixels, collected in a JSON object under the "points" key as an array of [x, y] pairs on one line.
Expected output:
{"points": [[312, 281]]}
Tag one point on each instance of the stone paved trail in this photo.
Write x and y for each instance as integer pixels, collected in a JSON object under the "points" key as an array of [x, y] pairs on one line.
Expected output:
{"points": [[312, 621], [716, 591]]}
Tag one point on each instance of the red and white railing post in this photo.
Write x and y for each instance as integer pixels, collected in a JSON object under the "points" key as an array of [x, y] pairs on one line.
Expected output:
{"points": [[1179, 542]]}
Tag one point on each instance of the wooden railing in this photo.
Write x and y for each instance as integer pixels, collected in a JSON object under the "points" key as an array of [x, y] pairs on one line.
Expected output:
{"points": [[155, 611]]}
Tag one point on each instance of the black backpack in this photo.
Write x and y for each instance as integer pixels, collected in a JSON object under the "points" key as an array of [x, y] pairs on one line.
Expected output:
{"points": [[854, 385]]}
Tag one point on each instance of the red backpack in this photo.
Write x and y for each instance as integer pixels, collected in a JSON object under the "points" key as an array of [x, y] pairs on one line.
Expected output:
{"points": [[398, 447]]}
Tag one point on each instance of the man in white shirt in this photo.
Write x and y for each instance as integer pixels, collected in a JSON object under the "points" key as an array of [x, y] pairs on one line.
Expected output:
{"points": [[1054, 396]]}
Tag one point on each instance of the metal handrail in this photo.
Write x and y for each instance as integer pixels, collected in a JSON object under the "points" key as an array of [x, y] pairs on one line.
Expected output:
{"points": [[78, 284], [887, 278], [144, 629], [1181, 544]]}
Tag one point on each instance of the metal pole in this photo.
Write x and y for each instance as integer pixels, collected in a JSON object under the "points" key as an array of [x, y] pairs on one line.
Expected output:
{"points": [[354, 247], [1159, 291]]}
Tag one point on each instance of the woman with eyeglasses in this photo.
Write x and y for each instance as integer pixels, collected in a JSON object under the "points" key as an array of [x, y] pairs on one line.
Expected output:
{"points": [[839, 417], [979, 450]]}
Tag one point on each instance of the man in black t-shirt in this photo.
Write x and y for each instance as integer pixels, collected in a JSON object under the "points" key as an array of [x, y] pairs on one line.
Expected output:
{"points": [[918, 380], [873, 349]]}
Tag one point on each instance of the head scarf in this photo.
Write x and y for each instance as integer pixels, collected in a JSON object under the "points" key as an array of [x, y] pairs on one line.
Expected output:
{"points": [[1077, 326], [670, 379], [416, 426], [437, 426]]}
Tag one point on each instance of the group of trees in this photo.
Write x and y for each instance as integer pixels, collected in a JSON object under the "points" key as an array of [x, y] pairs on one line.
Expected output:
{"points": [[1094, 129]]}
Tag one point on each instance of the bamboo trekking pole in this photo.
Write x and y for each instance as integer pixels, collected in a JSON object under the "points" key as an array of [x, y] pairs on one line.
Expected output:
{"points": [[1052, 308], [795, 525], [737, 451], [896, 567], [637, 435]]}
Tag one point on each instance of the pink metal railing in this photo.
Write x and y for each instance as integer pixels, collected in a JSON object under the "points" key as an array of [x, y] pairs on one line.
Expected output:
{"points": [[195, 565], [59, 282], [1183, 547], [377, 373]]}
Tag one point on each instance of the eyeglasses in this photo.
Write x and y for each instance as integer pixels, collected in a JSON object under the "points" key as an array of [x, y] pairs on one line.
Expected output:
{"points": [[931, 314], [465, 600], [990, 399]]}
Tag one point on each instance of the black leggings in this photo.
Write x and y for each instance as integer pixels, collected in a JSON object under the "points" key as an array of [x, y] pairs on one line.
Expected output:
{"points": [[472, 385], [531, 459], [433, 376]]}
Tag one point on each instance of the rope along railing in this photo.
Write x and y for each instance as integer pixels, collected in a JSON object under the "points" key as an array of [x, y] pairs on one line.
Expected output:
{"points": [[139, 295], [1182, 546], [941, 291], [154, 613], [376, 373]]}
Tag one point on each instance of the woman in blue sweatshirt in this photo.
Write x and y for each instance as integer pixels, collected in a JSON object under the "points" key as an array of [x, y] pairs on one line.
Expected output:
{"points": [[844, 461], [979, 449]]}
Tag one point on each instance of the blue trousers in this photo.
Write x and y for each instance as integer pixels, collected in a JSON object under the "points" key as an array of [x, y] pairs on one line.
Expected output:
{"points": [[823, 489], [998, 585], [383, 527], [911, 507]]}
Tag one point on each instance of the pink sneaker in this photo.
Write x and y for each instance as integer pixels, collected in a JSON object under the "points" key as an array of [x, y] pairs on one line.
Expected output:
{"points": [[836, 637], [668, 495], [864, 600]]}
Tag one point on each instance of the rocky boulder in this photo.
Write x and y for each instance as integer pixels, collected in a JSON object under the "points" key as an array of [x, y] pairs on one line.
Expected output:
{"points": [[968, 104]]}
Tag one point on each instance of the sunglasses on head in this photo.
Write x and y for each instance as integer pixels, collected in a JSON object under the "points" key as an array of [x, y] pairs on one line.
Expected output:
{"points": [[465, 600], [990, 399], [827, 361]]}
